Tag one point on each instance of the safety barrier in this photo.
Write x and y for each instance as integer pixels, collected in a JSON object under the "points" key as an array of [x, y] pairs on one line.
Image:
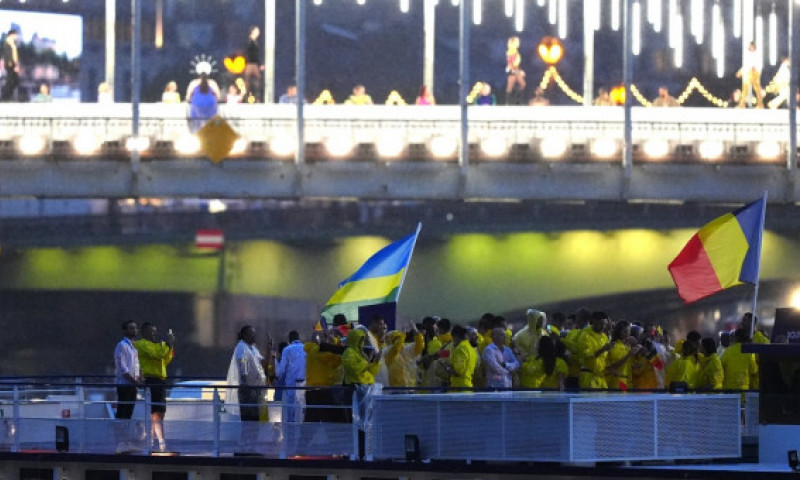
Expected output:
{"points": [[493, 426]]}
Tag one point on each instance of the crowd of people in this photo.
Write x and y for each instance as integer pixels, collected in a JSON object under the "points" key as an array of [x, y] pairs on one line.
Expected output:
{"points": [[585, 351]]}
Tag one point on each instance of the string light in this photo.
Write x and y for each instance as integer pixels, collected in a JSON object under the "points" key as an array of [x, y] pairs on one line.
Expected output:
{"points": [[477, 11], [773, 36], [405, 5], [615, 15], [552, 8], [519, 19], [737, 18], [563, 21], [361, 2], [317, 2], [540, 2], [694, 85], [718, 39], [678, 49], [654, 14], [508, 8], [698, 19], [636, 11], [675, 25], [760, 38]]}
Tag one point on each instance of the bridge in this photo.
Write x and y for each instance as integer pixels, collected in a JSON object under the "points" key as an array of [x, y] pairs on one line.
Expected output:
{"points": [[686, 154]]}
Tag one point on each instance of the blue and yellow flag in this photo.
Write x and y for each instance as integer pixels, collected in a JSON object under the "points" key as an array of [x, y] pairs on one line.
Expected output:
{"points": [[378, 281]]}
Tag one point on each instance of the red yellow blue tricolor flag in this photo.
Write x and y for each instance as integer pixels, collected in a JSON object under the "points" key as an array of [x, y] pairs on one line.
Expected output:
{"points": [[724, 253], [378, 281]]}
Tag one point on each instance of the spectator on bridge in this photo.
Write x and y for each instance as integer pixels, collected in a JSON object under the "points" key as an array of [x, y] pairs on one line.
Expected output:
{"points": [[253, 66], [233, 95], [539, 100], [203, 96], [750, 73], [782, 84], [290, 96], [359, 96], [170, 94], [154, 356], [664, 99], [104, 93], [498, 361], [485, 95], [10, 56], [736, 96], [603, 98], [425, 96], [710, 374], [547, 369], [43, 96]]}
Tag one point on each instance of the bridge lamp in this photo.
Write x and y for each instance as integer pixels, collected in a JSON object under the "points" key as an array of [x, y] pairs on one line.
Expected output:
{"points": [[443, 147], [187, 145], [711, 149], [138, 144], [389, 146], [768, 150], [553, 147], [339, 146], [494, 146], [31, 144], [604, 148], [85, 144], [656, 149], [283, 146]]}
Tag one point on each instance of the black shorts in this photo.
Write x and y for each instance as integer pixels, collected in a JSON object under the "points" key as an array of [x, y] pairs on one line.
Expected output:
{"points": [[158, 398]]}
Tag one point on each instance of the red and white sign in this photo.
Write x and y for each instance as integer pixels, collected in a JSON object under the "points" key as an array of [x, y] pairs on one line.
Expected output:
{"points": [[209, 239]]}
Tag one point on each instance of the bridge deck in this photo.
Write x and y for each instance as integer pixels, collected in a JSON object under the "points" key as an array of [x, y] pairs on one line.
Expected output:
{"points": [[556, 153]]}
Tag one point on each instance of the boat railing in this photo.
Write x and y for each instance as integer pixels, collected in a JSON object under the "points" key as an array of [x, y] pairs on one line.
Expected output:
{"points": [[201, 419]]}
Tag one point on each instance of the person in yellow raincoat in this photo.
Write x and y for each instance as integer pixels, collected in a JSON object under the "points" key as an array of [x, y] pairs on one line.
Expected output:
{"points": [[581, 322], [738, 367], [619, 362], [437, 356], [592, 347], [463, 360], [526, 341], [710, 375], [401, 358], [547, 370], [682, 372], [323, 369]]}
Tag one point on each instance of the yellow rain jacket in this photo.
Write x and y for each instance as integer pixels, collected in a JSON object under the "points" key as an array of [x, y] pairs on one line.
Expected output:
{"points": [[710, 374], [464, 359], [592, 368], [401, 359], [357, 370], [323, 369], [153, 358], [738, 368]]}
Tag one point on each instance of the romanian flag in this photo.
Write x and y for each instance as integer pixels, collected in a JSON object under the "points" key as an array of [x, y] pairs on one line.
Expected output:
{"points": [[724, 253], [378, 281]]}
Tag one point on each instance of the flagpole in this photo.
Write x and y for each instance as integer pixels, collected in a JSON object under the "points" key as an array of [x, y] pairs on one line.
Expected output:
{"points": [[405, 272], [758, 267]]}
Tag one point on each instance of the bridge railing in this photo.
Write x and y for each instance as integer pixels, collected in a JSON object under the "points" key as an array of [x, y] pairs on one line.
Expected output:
{"points": [[501, 132]]}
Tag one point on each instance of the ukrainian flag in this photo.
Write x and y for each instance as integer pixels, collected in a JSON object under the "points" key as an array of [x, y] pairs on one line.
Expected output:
{"points": [[724, 253], [378, 281]]}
